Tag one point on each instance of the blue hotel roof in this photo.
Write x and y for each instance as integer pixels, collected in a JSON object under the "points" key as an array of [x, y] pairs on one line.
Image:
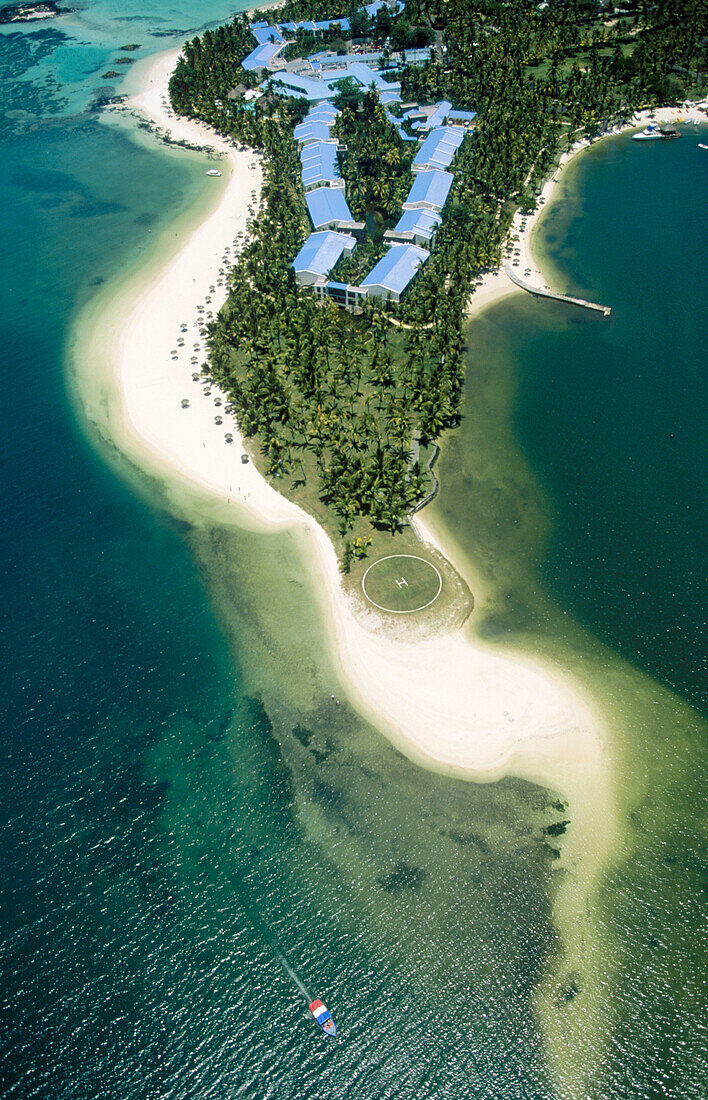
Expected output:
{"points": [[259, 58], [323, 112], [393, 5], [263, 32], [327, 204], [319, 163], [422, 222], [315, 25], [301, 87], [432, 187], [396, 269], [321, 251], [439, 147], [364, 75], [438, 116], [311, 131]]}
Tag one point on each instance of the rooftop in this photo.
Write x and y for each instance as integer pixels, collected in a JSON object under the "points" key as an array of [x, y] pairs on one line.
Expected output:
{"points": [[311, 131], [365, 76], [327, 205], [315, 26], [439, 148], [373, 9], [396, 269], [438, 116], [421, 222], [430, 187], [323, 112], [321, 251], [319, 163], [259, 58], [301, 87], [262, 33]]}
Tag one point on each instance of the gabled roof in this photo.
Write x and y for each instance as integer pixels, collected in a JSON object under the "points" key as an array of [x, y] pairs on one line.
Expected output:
{"points": [[396, 269], [463, 116], [320, 252], [374, 8], [259, 58], [319, 163], [438, 116], [431, 187], [327, 205], [439, 148], [421, 222], [301, 87], [311, 131], [323, 112]]}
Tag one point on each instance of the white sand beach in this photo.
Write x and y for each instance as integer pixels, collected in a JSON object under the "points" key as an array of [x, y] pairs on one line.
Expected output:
{"points": [[496, 284], [448, 702], [444, 701]]}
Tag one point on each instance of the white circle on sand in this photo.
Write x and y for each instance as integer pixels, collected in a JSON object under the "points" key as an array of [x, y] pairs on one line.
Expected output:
{"points": [[408, 610]]}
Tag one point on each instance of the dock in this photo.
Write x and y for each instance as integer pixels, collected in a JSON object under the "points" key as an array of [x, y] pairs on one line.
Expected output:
{"points": [[541, 293]]}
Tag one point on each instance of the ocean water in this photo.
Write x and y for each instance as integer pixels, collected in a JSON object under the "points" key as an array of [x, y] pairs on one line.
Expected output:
{"points": [[180, 797], [574, 486]]}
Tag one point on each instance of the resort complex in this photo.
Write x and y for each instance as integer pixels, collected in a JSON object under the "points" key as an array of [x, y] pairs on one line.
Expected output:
{"points": [[437, 132], [402, 149]]}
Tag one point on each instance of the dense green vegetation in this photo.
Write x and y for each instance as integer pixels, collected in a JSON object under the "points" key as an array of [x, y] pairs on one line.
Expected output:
{"points": [[376, 165], [342, 400]]}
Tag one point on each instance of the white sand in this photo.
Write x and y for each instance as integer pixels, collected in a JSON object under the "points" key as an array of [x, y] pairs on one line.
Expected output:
{"points": [[445, 701], [496, 284], [448, 702]]}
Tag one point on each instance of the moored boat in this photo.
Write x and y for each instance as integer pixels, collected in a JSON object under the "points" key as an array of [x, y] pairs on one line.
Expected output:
{"points": [[649, 133], [322, 1017], [213, 172], [652, 132]]}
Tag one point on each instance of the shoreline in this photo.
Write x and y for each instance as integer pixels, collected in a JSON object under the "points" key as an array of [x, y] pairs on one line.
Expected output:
{"points": [[495, 284], [450, 702], [445, 702]]}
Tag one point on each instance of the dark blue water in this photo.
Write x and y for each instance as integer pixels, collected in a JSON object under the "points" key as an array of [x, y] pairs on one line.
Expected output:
{"points": [[575, 486], [613, 415], [172, 763]]}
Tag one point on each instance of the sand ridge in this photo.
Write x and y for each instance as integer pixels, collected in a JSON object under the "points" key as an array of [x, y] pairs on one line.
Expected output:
{"points": [[446, 701]]}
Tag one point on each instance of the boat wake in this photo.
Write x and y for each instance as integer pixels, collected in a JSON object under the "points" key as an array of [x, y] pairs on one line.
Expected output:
{"points": [[292, 974]]}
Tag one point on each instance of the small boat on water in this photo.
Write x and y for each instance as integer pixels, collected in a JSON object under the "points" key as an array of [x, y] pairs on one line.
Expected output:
{"points": [[213, 172], [322, 1017], [652, 132], [702, 146], [649, 133]]}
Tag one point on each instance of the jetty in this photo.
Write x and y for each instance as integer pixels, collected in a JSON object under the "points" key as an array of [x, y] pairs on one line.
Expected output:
{"points": [[540, 292]]}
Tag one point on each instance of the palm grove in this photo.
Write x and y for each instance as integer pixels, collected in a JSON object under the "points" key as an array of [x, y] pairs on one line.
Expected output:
{"points": [[341, 403]]}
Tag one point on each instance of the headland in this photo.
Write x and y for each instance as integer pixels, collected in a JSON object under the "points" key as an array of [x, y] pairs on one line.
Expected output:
{"points": [[445, 699]]}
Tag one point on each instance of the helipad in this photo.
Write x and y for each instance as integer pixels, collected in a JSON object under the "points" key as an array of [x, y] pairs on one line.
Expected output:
{"points": [[402, 584]]}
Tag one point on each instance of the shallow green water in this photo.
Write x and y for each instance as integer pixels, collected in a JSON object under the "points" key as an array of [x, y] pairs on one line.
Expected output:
{"points": [[174, 770], [573, 486]]}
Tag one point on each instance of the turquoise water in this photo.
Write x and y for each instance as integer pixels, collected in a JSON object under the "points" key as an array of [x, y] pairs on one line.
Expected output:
{"points": [[174, 771]]}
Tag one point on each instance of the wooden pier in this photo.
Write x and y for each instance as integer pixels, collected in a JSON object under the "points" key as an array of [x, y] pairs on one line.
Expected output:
{"points": [[541, 293]]}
